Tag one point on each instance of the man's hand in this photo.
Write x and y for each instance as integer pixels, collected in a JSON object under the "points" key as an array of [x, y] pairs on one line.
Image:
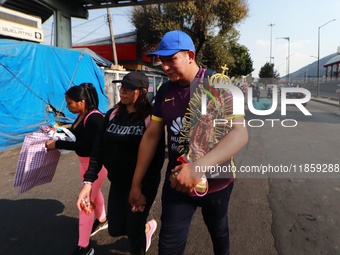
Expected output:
{"points": [[181, 179]]}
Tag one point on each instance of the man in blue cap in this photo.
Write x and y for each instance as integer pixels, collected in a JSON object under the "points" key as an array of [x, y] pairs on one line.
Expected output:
{"points": [[180, 197]]}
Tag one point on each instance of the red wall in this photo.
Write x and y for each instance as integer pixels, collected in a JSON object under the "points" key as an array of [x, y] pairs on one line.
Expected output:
{"points": [[125, 52]]}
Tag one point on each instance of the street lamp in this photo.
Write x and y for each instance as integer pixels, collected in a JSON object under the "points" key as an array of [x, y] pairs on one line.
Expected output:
{"points": [[288, 58], [271, 61], [307, 69], [318, 74], [278, 68], [271, 35]]}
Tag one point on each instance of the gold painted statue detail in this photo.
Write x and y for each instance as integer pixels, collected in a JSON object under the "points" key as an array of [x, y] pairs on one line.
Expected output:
{"points": [[199, 134]]}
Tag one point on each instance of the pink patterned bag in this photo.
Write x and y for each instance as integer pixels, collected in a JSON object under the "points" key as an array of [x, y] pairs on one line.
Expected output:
{"points": [[36, 165]]}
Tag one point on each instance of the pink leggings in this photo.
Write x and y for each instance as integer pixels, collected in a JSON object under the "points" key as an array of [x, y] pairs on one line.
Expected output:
{"points": [[86, 221]]}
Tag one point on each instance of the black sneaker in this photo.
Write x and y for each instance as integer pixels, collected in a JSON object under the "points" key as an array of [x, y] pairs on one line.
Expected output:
{"points": [[97, 226], [83, 251]]}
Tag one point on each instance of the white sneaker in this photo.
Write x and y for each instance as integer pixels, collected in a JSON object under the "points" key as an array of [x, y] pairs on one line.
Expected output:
{"points": [[97, 226], [152, 228]]}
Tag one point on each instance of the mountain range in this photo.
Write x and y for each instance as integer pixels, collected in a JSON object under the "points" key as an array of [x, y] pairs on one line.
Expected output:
{"points": [[311, 70]]}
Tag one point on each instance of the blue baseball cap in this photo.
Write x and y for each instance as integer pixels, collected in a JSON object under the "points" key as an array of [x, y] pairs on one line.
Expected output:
{"points": [[173, 42]]}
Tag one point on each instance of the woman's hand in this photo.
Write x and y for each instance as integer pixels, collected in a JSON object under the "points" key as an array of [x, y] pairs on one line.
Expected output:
{"points": [[136, 199], [84, 195], [50, 144]]}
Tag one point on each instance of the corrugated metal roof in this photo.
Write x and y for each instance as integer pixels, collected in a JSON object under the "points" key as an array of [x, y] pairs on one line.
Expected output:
{"points": [[130, 37], [333, 60]]}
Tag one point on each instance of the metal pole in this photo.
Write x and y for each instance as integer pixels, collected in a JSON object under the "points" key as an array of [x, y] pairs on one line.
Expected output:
{"points": [[288, 58], [338, 94], [271, 38], [318, 73], [52, 33]]}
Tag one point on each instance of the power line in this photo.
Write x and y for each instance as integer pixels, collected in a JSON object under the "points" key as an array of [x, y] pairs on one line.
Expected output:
{"points": [[90, 33], [101, 16], [88, 21]]}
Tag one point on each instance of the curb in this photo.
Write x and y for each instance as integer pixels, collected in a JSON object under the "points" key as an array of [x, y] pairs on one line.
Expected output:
{"points": [[330, 101]]}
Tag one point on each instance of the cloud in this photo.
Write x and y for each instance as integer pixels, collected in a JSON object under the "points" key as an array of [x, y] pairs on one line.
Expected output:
{"points": [[300, 44], [262, 43]]}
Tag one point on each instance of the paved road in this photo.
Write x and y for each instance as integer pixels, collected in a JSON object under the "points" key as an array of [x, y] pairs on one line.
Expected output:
{"points": [[304, 205], [44, 219], [268, 214], [305, 210]]}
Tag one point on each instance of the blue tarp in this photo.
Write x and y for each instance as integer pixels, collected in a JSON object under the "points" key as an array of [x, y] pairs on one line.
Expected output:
{"points": [[33, 76]]}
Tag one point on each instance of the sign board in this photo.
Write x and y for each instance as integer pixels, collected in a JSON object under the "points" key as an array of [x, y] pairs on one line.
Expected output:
{"points": [[20, 31]]}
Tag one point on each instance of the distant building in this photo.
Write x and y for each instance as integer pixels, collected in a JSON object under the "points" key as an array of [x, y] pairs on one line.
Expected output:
{"points": [[131, 57], [129, 54], [333, 67]]}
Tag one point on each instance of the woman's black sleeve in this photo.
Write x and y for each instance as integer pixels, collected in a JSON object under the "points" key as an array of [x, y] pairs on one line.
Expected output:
{"points": [[98, 152]]}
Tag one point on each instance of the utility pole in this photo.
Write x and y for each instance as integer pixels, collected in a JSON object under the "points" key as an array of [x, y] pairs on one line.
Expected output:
{"points": [[114, 52]]}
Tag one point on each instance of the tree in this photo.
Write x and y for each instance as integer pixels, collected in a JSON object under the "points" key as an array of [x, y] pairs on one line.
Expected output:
{"points": [[215, 54], [267, 74], [243, 64], [210, 23]]}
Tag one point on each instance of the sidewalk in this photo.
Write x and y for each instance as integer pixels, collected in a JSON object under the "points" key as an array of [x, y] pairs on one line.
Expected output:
{"points": [[326, 100]]}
